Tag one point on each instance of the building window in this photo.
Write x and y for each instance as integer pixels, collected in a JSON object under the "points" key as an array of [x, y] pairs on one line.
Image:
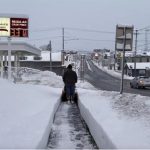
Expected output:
{"points": [[37, 58], [105, 56], [142, 72], [147, 59], [23, 58], [140, 59]]}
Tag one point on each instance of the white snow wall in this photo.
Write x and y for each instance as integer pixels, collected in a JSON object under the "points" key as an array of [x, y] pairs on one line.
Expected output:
{"points": [[45, 138], [101, 138]]}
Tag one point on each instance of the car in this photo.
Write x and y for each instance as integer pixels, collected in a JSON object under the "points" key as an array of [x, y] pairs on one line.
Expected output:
{"points": [[140, 82]]}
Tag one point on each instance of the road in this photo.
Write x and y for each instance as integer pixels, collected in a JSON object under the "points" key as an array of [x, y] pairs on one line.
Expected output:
{"points": [[104, 81]]}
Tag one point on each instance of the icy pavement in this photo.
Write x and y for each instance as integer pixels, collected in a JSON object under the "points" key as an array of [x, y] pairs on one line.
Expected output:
{"points": [[69, 131]]}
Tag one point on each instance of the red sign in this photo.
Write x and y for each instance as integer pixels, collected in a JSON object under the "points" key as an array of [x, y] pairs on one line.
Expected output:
{"points": [[19, 27]]}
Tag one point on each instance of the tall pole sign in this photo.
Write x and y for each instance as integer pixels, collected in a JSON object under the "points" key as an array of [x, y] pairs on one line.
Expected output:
{"points": [[4, 27], [124, 41], [10, 27], [19, 27], [13, 27]]}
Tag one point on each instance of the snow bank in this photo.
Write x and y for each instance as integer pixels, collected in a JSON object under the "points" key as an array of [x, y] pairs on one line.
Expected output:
{"points": [[43, 78], [27, 111], [116, 121], [26, 114]]}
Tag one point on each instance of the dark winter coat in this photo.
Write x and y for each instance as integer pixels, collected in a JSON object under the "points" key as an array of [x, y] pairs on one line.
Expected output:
{"points": [[70, 77]]}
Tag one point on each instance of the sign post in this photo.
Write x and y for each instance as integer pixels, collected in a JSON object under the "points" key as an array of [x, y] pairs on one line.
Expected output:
{"points": [[82, 67], [13, 26], [9, 58], [124, 40], [123, 57]]}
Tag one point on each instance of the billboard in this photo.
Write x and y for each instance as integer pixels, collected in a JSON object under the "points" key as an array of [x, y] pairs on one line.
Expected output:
{"points": [[19, 27], [4, 27], [13, 27], [124, 34]]}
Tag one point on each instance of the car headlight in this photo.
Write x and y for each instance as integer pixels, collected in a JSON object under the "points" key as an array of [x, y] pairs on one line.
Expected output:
{"points": [[141, 82]]}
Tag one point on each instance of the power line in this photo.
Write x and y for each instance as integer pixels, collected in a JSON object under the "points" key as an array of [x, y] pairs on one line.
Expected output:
{"points": [[44, 38], [96, 40], [74, 38], [69, 28], [45, 30], [143, 45], [147, 27], [89, 30]]}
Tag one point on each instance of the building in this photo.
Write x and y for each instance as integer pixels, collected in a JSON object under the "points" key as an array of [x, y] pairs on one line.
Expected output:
{"points": [[18, 49], [142, 69], [42, 62], [26, 55]]}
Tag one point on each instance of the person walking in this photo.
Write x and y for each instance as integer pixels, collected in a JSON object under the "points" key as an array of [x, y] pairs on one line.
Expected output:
{"points": [[69, 79]]}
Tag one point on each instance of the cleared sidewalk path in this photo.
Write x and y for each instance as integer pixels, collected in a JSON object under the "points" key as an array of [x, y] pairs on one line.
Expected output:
{"points": [[69, 131]]}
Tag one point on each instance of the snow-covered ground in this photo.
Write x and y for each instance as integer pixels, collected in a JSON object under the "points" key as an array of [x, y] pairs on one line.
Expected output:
{"points": [[115, 121], [26, 114]]}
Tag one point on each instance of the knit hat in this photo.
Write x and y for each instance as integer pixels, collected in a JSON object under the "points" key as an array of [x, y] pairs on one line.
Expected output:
{"points": [[69, 66]]}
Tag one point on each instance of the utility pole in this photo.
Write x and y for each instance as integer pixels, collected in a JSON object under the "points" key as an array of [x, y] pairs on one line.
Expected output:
{"points": [[9, 58], [146, 40], [115, 56], [49, 47], [82, 67], [136, 34], [63, 40], [63, 47]]}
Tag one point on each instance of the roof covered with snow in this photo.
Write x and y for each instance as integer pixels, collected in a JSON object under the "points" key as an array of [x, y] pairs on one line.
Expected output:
{"points": [[45, 56], [20, 47]]}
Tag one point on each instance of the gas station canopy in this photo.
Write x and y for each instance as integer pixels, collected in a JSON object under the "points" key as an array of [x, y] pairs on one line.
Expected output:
{"points": [[20, 48]]}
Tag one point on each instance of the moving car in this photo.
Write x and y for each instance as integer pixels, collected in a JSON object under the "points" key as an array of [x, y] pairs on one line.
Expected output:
{"points": [[140, 82]]}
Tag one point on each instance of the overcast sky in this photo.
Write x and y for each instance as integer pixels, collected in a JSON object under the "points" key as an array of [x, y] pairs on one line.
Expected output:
{"points": [[101, 15]]}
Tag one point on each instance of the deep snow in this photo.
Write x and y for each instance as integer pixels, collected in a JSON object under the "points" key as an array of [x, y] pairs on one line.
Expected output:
{"points": [[26, 113]]}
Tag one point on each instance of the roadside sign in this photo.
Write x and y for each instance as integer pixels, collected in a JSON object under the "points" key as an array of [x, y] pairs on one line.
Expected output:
{"points": [[124, 33], [4, 27], [19, 27], [13, 27]]}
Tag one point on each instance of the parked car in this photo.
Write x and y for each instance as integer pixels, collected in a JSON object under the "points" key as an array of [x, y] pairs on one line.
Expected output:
{"points": [[140, 82]]}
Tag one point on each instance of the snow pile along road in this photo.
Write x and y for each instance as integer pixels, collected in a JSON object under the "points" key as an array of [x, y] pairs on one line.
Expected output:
{"points": [[43, 78], [26, 114], [116, 121]]}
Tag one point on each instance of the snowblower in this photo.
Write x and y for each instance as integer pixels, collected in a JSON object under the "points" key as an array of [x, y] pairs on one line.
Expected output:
{"points": [[64, 96]]}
